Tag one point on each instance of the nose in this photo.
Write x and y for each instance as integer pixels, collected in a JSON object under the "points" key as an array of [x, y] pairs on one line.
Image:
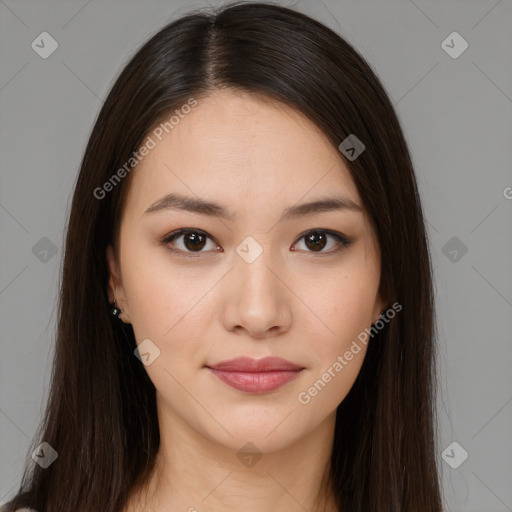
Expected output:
{"points": [[257, 302]]}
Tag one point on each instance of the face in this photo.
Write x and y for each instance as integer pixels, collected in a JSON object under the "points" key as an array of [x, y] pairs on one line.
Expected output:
{"points": [[265, 279]]}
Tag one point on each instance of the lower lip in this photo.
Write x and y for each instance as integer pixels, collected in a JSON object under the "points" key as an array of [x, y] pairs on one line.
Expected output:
{"points": [[256, 382]]}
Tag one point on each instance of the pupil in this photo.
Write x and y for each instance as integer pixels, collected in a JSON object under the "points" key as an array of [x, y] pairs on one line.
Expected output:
{"points": [[317, 241], [194, 241]]}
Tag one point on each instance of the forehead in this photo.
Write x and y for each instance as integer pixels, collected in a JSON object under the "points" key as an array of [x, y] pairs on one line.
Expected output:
{"points": [[242, 145]]}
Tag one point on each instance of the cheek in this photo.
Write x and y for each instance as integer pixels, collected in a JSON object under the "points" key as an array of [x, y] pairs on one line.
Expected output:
{"points": [[328, 387], [338, 308], [337, 353], [158, 297]]}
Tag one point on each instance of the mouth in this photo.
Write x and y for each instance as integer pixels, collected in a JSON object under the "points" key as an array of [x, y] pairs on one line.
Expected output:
{"points": [[256, 375]]}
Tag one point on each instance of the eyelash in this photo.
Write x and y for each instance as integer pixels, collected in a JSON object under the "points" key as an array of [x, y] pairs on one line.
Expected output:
{"points": [[341, 241]]}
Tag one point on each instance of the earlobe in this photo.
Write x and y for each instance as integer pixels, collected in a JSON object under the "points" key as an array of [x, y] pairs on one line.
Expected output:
{"points": [[380, 308]]}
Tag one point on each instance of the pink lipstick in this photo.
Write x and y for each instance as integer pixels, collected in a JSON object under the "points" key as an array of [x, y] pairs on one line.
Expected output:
{"points": [[256, 375]]}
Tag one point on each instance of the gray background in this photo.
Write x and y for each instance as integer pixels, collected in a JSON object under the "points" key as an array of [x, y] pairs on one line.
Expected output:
{"points": [[456, 114]]}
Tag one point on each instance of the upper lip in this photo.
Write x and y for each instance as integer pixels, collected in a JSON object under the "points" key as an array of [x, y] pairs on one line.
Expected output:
{"points": [[247, 364]]}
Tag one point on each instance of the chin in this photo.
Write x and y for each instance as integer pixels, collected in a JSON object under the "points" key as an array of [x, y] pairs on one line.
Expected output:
{"points": [[266, 436]]}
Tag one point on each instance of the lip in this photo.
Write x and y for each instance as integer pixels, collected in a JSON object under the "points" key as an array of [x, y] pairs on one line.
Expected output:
{"points": [[256, 375], [248, 364]]}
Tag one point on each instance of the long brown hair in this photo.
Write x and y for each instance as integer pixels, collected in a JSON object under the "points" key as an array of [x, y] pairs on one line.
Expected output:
{"points": [[101, 413]]}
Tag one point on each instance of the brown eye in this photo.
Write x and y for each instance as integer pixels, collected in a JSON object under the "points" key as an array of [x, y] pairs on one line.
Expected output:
{"points": [[188, 241], [191, 242], [315, 241], [194, 241]]}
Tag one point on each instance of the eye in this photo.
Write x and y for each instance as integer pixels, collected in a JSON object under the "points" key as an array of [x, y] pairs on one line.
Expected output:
{"points": [[316, 240], [194, 240]]}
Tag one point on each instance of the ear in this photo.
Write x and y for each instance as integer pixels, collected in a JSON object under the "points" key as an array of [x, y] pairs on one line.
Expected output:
{"points": [[115, 286], [380, 306]]}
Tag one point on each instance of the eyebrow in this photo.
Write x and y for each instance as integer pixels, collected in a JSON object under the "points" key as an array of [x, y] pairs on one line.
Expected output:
{"points": [[197, 205]]}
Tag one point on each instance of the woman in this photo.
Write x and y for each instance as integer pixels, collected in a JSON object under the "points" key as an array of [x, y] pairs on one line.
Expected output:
{"points": [[246, 313]]}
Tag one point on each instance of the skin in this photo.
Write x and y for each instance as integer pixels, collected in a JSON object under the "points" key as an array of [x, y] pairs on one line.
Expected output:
{"points": [[255, 157]]}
